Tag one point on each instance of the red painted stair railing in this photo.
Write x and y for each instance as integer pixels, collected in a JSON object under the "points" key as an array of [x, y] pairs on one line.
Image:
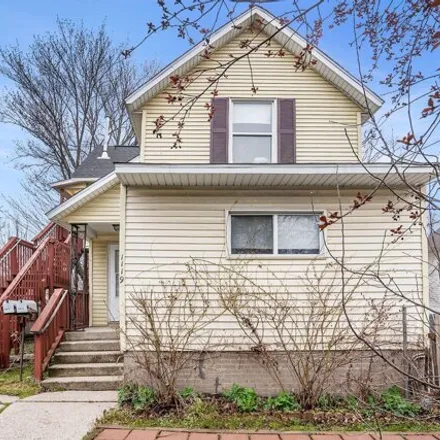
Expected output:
{"points": [[49, 329], [31, 272], [13, 257]]}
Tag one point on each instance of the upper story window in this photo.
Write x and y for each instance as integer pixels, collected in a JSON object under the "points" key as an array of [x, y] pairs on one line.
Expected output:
{"points": [[252, 132], [245, 131]]}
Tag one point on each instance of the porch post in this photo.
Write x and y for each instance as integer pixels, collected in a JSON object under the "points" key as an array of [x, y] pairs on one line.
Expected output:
{"points": [[79, 269], [5, 341], [73, 290]]}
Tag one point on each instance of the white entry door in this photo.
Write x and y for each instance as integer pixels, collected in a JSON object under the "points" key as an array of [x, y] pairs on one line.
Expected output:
{"points": [[113, 283]]}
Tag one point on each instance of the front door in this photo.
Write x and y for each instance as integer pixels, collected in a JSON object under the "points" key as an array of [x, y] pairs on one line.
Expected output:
{"points": [[113, 283]]}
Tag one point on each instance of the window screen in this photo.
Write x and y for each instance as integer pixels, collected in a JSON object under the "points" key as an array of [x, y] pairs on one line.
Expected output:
{"points": [[251, 234], [298, 234]]}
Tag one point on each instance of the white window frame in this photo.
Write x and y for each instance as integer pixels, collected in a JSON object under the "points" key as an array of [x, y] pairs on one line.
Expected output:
{"points": [[274, 145], [275, 254]]}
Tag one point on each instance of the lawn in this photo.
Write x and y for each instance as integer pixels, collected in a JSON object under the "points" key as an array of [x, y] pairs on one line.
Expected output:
{"points": [[210, 418], [10, 382]]}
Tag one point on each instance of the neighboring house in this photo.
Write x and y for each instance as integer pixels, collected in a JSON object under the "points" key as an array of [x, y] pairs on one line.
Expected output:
{"points": [[247, 185]]}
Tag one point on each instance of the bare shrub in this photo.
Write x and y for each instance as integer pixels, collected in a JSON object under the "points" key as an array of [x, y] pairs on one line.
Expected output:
{"points": [[301, 336], [168, 328], [305, 329]]}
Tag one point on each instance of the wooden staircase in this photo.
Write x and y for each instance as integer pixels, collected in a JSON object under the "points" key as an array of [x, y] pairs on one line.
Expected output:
{"points": [[31, 271], [87, 360], [40, 271]]}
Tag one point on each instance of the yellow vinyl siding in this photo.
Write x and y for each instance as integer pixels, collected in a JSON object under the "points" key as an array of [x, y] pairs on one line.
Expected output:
{"points": [[322, 111], [102, 209], [165, 229], [99, 281]]}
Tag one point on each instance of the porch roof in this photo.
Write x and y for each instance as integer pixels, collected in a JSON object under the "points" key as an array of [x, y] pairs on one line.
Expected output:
{"points": [[235, 176], [272, 175], [81, 198]]}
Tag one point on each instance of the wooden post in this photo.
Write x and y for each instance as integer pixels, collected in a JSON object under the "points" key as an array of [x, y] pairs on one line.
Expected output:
{"points": [[51, 265], [38, 356], [5, 341], [15, 267]]}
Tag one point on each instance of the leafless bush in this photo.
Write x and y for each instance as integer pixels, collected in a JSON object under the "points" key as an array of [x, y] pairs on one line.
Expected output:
{"points": [[169, 326], [301, 335], [307, 327]]}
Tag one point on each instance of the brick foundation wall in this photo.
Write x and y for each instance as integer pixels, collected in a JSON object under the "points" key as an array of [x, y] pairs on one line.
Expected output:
{"points": [[214, 372]]}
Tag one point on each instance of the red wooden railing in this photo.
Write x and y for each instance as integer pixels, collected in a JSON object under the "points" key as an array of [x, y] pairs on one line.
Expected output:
{"points": [[46, 269], [13, 257], [40, 271], [51, 230], [49, 330]]}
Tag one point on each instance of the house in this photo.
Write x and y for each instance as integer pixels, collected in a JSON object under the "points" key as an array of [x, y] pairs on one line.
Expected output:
{"points": [[244, 186]]}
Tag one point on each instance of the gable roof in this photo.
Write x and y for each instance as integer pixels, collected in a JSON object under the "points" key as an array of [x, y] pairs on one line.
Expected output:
{"points": [[287, 37], [94, 167], [82, 197]]}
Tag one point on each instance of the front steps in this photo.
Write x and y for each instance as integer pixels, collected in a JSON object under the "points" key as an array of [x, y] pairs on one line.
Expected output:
{"points": [[87, 360]]}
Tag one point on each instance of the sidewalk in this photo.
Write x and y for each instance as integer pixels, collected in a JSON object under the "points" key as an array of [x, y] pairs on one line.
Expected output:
{"points": [[65, 415], [156, 434]]}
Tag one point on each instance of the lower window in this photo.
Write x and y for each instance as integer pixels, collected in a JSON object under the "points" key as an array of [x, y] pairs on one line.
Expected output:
{"points": [[275, 234]]}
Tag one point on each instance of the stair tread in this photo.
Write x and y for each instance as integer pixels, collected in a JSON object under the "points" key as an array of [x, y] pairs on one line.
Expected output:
{"points": [[100, 329], [84, 379], [88, 365], [82, 353], [101, 341]]}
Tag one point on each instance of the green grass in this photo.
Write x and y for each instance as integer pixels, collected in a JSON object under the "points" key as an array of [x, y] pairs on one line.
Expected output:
{"points": [[10, 382], [205, 416]]}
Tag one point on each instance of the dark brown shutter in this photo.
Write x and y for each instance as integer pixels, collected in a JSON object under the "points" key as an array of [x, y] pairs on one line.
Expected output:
{"points": [[286, 131], [219, 130]]}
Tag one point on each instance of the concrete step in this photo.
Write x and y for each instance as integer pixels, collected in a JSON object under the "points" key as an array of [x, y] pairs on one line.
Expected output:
{"points": [[82, 370], [93, 345], [93, 334], [89, 383], [80, 357]]}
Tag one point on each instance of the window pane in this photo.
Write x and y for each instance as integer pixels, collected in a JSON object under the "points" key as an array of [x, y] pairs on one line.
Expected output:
{"points": [[252, 149], [298, 234], [251, 234], [252, 117]]}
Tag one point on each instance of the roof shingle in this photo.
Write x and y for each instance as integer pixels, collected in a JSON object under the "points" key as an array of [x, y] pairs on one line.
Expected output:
{"points": [[92, 166]]}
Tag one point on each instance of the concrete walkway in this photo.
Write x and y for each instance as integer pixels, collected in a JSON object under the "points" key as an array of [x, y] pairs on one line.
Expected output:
{"points": [[66, 415], [154, 434]]}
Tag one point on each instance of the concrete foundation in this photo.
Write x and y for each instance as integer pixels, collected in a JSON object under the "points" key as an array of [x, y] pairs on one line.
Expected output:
{"points": [[214, 372]]}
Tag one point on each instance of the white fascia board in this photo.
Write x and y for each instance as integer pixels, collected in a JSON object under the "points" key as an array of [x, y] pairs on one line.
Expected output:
{"points": [[313, 169], [82, 197], [287, 31], [68, 182]]}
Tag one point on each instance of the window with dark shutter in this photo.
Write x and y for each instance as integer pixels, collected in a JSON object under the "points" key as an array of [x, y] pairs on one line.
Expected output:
{"points": [[286, 131], [219, 131]]}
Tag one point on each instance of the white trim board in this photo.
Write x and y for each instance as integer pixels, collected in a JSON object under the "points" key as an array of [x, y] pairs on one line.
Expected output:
{"points": [[271, 175]]}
